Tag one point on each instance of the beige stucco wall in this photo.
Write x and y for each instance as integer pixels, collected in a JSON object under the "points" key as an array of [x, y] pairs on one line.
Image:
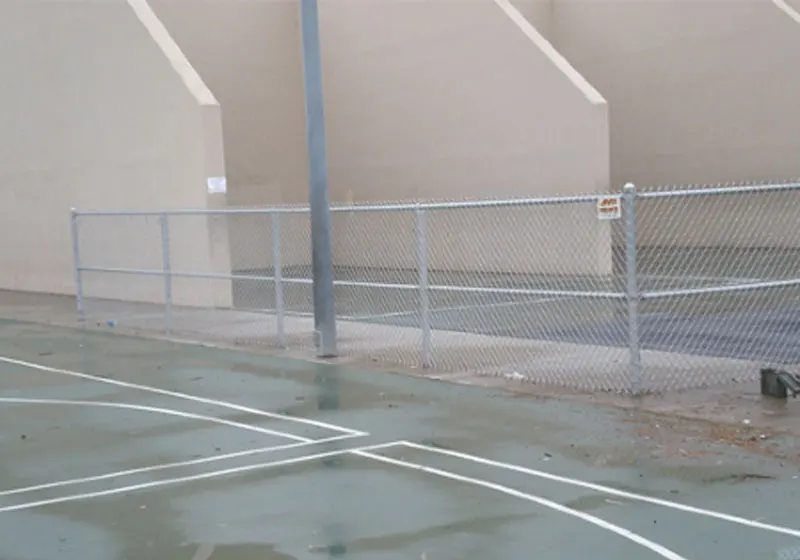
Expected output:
{"points": [[700, 92], [249, 55], [424, 100], [102, 113], [459, 100]]}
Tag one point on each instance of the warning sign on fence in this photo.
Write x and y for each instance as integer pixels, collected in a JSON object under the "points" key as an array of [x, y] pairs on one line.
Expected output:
{"points": [[609, 208]]}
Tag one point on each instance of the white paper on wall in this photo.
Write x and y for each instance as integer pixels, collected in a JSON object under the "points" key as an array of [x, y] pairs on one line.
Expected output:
{"points": [[217, 185]]}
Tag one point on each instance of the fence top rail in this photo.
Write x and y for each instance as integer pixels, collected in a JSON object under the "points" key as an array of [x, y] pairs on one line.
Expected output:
{"points": [[406, 207], [468, 204], [719, 190]]}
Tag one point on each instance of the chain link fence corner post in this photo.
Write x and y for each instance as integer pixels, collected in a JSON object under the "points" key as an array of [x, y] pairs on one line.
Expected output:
{"points": [[277, 273], [632, 289], [76, 263], [424, 295], [166, 269]]}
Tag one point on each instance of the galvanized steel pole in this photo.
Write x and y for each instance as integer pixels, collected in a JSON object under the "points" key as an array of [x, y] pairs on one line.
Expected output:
{"points": [[322, 261]]}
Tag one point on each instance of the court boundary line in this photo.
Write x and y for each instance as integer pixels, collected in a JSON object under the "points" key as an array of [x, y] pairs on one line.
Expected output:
{"points": [[711, 280], [183, 396], [543, 502], [157, 410], [359, 452], [605, 489], [363, 452], [454, 308], [191, 478], [727, 279], [176, 464]]}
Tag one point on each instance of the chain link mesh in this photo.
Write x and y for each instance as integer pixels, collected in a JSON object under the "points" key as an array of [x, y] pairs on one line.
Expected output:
{"points": [[539, 291], [376, 284], [527, 292], [122, 243], [717, 272]]}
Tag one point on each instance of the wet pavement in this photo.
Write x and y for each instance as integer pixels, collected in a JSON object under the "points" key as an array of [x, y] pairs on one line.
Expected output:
{"points": [[121, 448]]}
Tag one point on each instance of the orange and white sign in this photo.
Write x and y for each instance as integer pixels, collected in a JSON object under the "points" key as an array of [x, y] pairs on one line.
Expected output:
{"points": [[609, 207]]}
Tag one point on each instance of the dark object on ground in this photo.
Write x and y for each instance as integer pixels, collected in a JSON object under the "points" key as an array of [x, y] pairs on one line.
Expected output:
{"points": [[778, 383]]}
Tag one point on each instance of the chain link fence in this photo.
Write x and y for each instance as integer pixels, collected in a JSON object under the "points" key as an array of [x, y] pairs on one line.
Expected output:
{"points": [[631, 292]]}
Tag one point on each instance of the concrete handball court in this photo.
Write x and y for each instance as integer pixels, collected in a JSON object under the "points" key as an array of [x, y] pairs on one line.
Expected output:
{"points": [[117, 447]]}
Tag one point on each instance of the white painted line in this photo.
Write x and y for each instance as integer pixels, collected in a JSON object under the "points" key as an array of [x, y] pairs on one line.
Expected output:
{"points": [[727, 279], [378, 316], [456, 308], [165, 466], [192, 478], [165, 411], [608, 490], [616, 529], [205, 552], [184, 396]]}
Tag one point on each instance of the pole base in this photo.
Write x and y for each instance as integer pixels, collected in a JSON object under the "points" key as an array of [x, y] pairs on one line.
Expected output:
{"points": [[325, 348]]}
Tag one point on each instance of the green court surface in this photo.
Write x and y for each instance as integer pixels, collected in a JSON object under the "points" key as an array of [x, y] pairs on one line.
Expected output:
{"points": [[120, 448]]}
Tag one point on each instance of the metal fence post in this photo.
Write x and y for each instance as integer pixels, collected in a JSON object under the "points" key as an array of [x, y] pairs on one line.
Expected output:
{"points": [[632, 292], [76, 260], [278, 276], [166, 269], [424, 295]]}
